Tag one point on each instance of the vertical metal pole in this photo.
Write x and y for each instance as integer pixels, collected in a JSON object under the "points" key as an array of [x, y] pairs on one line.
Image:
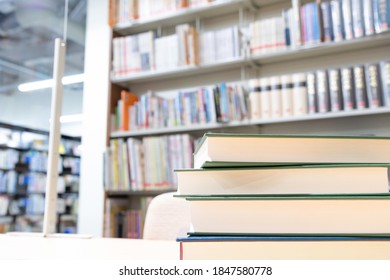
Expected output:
{"points": [[49, 221]]}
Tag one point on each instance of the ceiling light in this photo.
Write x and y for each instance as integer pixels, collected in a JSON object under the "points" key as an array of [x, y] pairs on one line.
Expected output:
{"points": [[67, 80]]}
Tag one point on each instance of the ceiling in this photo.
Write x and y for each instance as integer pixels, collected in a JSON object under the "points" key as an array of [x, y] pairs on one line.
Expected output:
{"points": [[27, 32]]}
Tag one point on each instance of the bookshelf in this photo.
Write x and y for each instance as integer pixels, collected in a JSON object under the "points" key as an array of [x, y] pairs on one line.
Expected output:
{"points": [[238, 69], [23, 159]]}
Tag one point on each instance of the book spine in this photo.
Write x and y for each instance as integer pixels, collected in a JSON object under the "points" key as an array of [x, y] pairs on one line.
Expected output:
{"points": [[381, 11], [322, 91], [299, 94], [347, 19], [286, 27], [368, 17], [265, 101], [217, 100], [374, 88], [337, 20], [385, 74], [357, 18], [335, 90], [286, 92], [311, 93], [275, 96], [360, 87], [348, 89], [296, 4], [326, 16]]}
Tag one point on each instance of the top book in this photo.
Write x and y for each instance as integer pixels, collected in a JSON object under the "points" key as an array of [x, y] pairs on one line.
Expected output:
{"points": [[235, 150]]}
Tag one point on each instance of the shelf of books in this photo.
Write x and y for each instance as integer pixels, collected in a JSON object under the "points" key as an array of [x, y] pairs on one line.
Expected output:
{"points": [[23, 165], [244, 65]]}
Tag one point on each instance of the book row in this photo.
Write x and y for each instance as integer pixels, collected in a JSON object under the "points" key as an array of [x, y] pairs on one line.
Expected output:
{"points": [[322, 91], [127, 11], [327, 21], [18, 138], [34, 223], [36, 161], [209, 104], [147, 164], [335, 20], [11, 182], [289, 188], [35, 204], [145, 51], [120, 221], [326, 90]]}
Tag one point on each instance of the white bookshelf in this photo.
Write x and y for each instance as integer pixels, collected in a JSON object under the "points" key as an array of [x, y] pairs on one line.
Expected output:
{"points": [[304, 58]]}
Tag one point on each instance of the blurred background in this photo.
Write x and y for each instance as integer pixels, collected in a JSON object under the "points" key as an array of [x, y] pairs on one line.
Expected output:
{"points": [[27, 32]]}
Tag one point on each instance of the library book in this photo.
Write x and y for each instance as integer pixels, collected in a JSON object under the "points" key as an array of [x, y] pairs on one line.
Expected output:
{"points": [[364, 247], [277, 180], [289, 214], [233, 150]]}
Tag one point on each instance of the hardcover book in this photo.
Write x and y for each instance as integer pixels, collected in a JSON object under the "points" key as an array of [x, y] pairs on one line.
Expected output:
{"points": [[306, 179], [215, 149], [295, 215], [285, 247]]}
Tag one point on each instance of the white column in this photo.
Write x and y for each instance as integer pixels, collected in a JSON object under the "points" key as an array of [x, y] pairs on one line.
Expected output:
{"points": [[95, 108]]}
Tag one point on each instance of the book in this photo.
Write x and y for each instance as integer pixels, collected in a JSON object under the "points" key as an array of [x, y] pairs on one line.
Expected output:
{"points": [[299, 99], [337, 20], [374, 88], [346, 8], [254, 98], [348, 89], [284, 247], [295, 215], [307, 179], [357, 18], [381, 15], [216, 149], [265, 98], [322, 91], [385, 74], [326, 20], [360, 87], [311, 93], [335, 90], [128, 99], [286, 95]]}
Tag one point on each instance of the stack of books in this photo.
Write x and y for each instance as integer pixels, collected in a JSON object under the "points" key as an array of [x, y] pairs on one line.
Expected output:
{"points": [[288, 197]]}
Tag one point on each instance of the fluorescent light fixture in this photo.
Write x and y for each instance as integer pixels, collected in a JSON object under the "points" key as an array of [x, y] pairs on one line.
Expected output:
{"points": [[71, 118], [67, 80]]}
